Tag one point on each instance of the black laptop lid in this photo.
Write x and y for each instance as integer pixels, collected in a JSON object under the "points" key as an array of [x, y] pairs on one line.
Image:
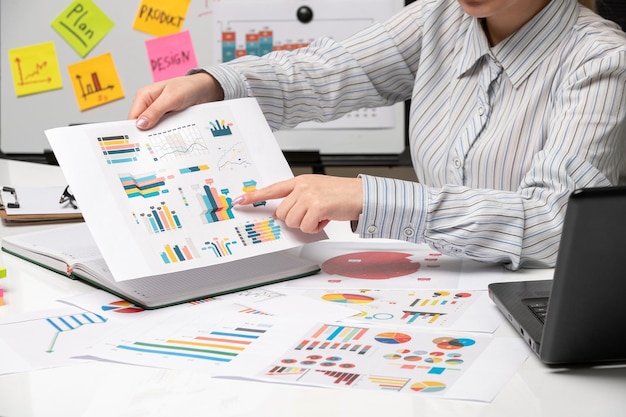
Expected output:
{"points": [[586, 314]]}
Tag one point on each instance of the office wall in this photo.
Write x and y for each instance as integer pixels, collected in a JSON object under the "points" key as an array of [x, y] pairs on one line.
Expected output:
{"points": [[28, 22]]}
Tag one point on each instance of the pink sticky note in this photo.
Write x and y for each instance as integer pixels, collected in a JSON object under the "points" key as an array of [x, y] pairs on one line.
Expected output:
{"points": [[171, 56]]}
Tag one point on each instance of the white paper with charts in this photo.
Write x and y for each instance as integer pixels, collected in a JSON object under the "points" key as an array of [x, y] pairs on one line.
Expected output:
{"points": [[160, 201]]}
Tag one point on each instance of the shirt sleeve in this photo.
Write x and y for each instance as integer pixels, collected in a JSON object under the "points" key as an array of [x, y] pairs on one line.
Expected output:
{"points": [[584, 148]]}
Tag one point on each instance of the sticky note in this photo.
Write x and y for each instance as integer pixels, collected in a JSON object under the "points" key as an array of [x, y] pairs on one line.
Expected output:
{"points": [[1, 296], [82, 24], [161, 17], [95, 81], [35, 69], [3, 272], [171, 56]]}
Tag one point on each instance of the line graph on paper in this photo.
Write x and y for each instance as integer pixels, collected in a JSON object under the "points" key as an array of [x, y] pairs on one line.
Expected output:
{"points": [[181, 142]]}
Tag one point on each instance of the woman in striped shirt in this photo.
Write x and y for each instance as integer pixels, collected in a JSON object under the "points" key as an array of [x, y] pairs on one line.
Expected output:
{"points": [[514, 104]]}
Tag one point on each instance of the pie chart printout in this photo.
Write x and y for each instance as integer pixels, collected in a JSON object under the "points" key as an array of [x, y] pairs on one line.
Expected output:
{"points": [[392, 338], [371, 265], [348, 298]]}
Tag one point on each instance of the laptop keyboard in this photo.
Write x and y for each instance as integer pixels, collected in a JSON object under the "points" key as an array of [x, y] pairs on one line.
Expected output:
{"points": [[539, 307]]}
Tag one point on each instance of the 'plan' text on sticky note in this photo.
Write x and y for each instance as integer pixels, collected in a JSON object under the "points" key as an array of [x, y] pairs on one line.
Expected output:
{"points": [[82, 24]]}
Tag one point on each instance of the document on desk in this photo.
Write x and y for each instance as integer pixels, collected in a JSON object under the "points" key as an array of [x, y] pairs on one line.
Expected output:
{"points": [[158, 203], [229, 341], [25, 205]]}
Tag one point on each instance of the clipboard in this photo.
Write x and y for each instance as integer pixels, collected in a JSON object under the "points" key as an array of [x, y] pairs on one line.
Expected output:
{"points": [[25, 205]]}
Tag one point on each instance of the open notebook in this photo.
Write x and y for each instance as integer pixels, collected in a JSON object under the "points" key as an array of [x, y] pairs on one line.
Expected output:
{"points": [[71, 250], [577, 317], [158, 204]]}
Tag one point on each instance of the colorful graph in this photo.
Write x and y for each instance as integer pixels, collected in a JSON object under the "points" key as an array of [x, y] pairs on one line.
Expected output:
{"points": [[451, 343], [429, 317], [345, 378], [217, 206], [195, 168], [118, 149], [215, 346], [176, 143], [392, 338], [371, 265], [221, 128], [142, 185], [388, 383], [122, 307], [71, 322], [159, 219], [428, 386], [310, 345], [233, 156], [176, 253], [251, 186], [348, 298], [287, 370], [259, 232], [376, 359], [339, 333], [220, 247], [257, 43]]}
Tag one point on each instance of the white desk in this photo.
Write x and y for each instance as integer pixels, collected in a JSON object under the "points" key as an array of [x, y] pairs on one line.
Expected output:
{"points": [[97, 389]]}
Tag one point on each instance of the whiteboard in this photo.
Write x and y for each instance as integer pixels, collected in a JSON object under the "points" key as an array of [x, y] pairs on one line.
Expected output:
{"points": [[28, 22]]}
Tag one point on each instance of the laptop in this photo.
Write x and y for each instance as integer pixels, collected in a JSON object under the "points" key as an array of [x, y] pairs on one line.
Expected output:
{"points": [[578, 317]]}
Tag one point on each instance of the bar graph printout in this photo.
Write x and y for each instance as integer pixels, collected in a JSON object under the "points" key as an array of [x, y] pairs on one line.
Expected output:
{"points": [[160, 201], [461, 310], [440, 364]]}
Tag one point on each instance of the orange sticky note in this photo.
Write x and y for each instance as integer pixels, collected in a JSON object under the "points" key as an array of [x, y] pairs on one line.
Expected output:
{"points": [[161, 17], [95, 81], [35, 69]]}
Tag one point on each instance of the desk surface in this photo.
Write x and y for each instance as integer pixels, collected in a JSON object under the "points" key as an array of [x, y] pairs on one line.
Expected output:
{"points": [[97, 389]]}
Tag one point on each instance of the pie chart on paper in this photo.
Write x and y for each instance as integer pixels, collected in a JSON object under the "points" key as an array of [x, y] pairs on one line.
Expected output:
{"points": [[392, 338], [371, 265], [348, 298], [122, 306], [428, 386]]}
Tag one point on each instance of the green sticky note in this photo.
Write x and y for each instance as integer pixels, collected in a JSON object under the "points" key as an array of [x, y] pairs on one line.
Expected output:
{"points": [[3, 272], [82, 24]]}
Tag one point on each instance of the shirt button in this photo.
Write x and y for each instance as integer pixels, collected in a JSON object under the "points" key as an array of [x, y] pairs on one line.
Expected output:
{"points": [[408, 232], [372, 229], [481, 111], [457, 163]]}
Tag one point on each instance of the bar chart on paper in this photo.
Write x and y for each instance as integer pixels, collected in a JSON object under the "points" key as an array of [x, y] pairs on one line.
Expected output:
{"points": [[193, 338]]}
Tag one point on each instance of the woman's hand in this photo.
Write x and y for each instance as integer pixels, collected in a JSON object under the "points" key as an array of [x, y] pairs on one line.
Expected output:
{"points": [[311, 201], [153, 101]]}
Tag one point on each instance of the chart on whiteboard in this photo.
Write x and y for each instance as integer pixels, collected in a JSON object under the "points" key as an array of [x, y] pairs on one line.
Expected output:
{"points": [[250, 27]]}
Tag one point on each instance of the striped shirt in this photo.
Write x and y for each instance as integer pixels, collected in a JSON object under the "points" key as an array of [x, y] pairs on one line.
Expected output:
{"points": [[499, 136]]}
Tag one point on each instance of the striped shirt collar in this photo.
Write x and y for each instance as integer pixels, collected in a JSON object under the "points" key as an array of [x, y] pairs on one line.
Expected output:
{"points": [[523, 51]]}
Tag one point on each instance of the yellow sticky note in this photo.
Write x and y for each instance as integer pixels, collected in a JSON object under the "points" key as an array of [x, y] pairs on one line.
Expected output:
{"points": [[3, 272], [95, 81], [161, 17], [35, 69], [82, 24]]}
